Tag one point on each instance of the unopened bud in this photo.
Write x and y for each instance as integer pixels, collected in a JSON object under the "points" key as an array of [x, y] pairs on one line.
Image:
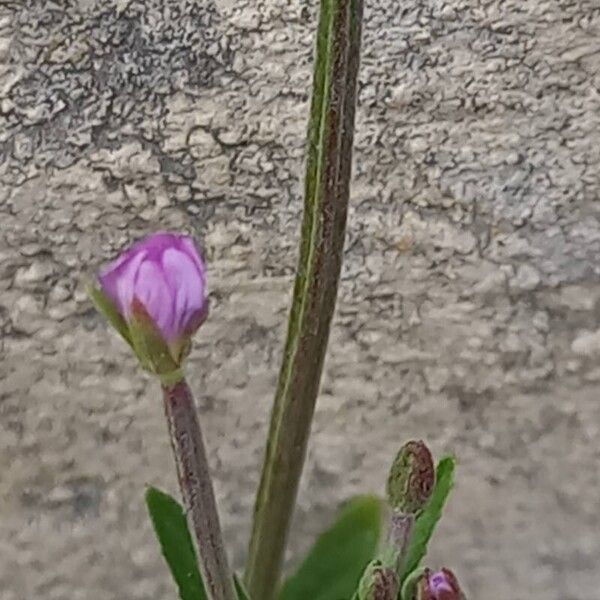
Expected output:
{"points": [[154, 294], [378, 583], [411, 478], [438, 585]]}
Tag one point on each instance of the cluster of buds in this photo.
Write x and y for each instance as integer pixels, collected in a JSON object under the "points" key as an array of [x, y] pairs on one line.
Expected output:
{"points": [[409, 487], [154, 294]]}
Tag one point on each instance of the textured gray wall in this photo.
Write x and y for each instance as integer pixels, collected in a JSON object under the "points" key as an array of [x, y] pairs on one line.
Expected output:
{"points": [[469, 311]]}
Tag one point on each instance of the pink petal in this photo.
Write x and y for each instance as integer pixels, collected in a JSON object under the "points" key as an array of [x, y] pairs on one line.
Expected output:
{"points": [[187, 285], [117, 279], [189, 247], [153, 291]]}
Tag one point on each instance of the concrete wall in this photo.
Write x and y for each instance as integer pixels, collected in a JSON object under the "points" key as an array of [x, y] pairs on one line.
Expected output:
{"points": [[469, 309]]}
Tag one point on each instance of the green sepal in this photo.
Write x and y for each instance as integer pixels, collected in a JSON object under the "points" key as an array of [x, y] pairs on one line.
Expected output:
{"points": [[389, 556], [240, 589], [409, 587], [148, 344], [412, 478], [378, 582], [106, 308]]}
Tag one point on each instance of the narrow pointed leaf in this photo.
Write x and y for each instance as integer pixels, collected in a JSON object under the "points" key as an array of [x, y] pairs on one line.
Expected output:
{"points": [[429, 517], [334, 565], [240, 589], [176, 543]]}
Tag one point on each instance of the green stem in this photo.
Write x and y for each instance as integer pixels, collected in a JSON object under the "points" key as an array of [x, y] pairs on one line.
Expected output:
{"points": [[327, 186], [196, 489], [401, 528]]}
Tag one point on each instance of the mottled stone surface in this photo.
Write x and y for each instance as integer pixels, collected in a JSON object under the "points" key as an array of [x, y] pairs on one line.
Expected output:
{"points": [[469, 310]]}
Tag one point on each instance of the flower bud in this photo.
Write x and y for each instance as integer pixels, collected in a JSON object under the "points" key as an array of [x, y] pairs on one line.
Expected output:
{"points": [[378, 583], [154, 294], [411, 479], [438, 585]]}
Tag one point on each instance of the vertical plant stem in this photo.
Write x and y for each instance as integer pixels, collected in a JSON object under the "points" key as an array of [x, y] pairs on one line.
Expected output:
{"points": [[401, 528], [196, 488], [327, 185]]}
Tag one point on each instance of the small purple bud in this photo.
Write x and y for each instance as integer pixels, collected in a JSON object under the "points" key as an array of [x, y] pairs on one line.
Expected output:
{"points": [[438, 585], [159, 283], [411, 479]]}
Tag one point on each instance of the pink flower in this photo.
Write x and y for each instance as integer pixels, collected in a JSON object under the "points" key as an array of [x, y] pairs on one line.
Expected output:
{"points": [[439, 585], [157, 288]]}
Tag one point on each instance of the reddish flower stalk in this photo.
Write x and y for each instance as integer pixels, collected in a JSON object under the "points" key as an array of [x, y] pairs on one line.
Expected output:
{"points": [[154, 294], [197, 491]]}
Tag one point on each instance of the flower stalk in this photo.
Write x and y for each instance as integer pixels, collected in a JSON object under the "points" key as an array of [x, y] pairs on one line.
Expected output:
{"points": [[327, 186], [154, 294], [399, 534], [197, 491]]}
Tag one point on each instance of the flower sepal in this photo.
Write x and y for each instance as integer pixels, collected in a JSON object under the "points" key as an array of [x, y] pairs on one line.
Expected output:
{"points": [[378, 582], [151, 349], [409, 587], [109, 311], [411, 479], [154, 354]]}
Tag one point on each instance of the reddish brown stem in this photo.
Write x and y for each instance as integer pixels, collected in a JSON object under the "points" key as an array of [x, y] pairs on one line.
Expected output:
{"points": [[401, 528], [197, 491], [327, 186]]}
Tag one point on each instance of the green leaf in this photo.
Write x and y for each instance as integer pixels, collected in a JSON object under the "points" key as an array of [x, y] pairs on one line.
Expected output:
{"points": [[431, 514], [176, 544], [334, 565]]}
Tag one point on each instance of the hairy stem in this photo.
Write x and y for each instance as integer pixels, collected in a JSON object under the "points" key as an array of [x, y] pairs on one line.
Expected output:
{"points": [[401, 528], [327, 185], [196, 488]]}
